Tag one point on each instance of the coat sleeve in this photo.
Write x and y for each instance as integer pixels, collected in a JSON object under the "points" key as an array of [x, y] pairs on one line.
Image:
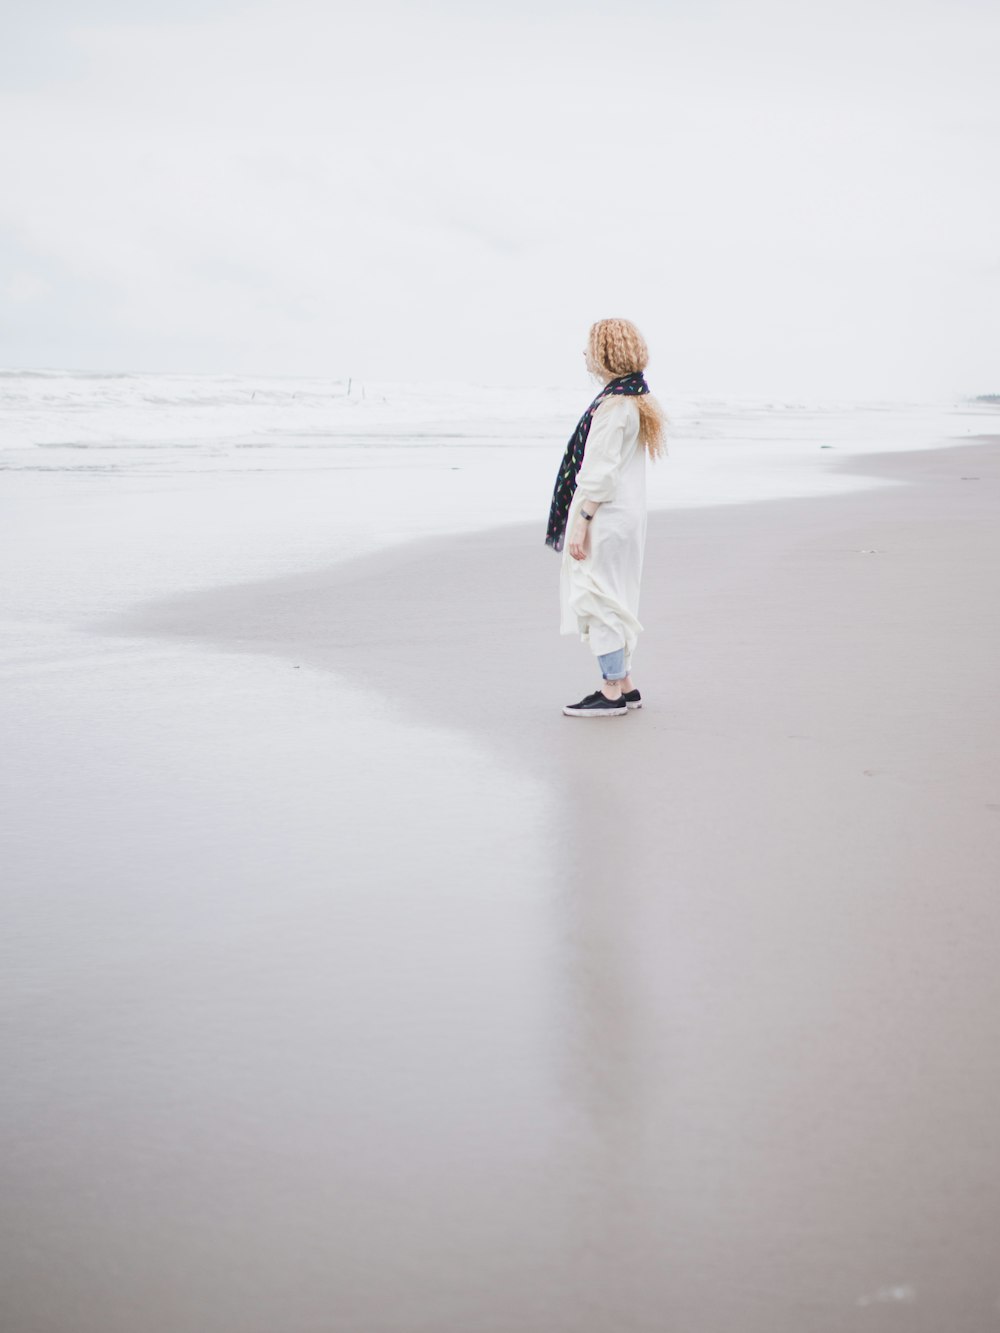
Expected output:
{"points": [[598, 475]]}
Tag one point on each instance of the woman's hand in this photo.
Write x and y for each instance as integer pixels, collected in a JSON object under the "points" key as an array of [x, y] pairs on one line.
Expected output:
{"points": [[579, 539]]}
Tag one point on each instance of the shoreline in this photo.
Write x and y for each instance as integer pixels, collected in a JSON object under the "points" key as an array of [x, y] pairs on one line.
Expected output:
{"points": [[284, 615], [754, 596]]}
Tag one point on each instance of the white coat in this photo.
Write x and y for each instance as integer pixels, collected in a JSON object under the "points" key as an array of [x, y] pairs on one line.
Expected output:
{"points": [[599, 595]]}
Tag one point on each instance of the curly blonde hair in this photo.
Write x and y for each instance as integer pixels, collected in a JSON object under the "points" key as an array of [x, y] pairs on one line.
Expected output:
{"points": [[616, 347]]}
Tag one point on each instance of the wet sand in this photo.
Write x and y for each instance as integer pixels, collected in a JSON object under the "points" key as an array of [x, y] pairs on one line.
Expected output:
{"points": [[767, 1097]]}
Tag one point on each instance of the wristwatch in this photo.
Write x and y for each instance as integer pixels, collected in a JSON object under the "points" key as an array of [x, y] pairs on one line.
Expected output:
{"points": [[584, 515]]}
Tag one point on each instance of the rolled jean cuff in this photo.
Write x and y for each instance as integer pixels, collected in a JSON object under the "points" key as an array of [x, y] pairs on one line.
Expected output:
{"points": [[613, 665]]}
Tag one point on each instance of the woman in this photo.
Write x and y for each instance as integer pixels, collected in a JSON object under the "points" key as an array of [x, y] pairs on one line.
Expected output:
{"points": [[600, 501]]}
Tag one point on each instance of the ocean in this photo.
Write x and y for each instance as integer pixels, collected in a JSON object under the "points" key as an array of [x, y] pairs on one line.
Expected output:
{"points": [[307, 469]]}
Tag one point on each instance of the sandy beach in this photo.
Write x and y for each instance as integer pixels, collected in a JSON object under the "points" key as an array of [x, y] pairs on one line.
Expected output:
{"points": [[347, 985], [511, 1021]]}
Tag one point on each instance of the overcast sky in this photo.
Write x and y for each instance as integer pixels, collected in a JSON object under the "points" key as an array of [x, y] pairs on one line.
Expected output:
{"points": [[794, 199]]}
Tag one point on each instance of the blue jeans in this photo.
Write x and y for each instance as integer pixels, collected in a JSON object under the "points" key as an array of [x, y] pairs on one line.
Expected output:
{"points": [[613, 665]]}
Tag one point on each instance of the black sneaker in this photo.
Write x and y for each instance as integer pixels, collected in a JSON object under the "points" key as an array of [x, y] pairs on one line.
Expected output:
{"points": [[597, 705], [633, 698]]}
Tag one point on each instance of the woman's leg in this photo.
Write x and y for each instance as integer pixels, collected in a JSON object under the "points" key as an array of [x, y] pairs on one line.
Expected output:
{"points": [[613, 670]]}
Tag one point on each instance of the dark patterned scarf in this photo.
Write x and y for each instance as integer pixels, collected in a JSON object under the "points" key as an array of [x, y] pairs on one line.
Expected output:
{"points": [[562, 496]]}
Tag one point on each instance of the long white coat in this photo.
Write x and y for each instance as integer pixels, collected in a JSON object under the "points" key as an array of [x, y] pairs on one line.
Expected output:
{"points": [[599, 595]]}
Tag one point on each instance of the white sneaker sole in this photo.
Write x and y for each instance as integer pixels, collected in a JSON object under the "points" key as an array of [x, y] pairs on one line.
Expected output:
{"points": [[636, 705], [595, 712]]}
